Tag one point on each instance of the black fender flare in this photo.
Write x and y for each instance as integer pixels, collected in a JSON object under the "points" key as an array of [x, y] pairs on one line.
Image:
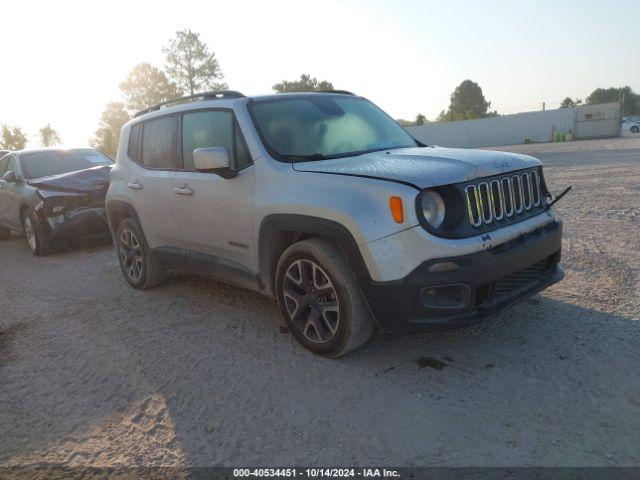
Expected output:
{"points": [[303, 226], [114, 209]]}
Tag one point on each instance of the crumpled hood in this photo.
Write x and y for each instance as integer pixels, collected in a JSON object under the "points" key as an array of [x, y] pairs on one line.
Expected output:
{"points": [[423, 167], [91, 180]]}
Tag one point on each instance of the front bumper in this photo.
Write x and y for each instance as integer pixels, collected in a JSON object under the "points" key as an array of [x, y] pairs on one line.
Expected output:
{"points": [[489, 281], [79, 223]]}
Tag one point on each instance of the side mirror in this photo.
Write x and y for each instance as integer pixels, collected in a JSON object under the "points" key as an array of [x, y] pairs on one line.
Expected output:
{"points": [[214, 160], [10, 177]]}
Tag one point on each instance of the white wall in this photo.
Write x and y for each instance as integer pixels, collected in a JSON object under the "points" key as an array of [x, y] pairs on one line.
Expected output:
{"points": [[598, 121], [514, 129]]}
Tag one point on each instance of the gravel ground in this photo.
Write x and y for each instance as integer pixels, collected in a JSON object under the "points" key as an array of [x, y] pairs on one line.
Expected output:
{"points": [[198, 373]]}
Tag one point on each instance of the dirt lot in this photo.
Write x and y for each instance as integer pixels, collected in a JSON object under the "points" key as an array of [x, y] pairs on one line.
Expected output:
{"points": [[199, 373]]}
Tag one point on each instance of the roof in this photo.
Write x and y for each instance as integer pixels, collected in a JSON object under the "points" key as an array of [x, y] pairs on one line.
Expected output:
{"points": [[223, 98]]}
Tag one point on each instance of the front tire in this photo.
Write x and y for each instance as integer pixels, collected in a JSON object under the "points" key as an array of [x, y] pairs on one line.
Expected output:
{"points": [[635, 129], [320, 299], [36, 236], [138, 266]]}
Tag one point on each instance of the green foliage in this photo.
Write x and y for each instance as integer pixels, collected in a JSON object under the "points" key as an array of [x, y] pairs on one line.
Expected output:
{"points": [[190, 65], [48, 136], [467, 103], [107, 136], [420, 120], [304, 84], [13, 138], [569, 102], [630, 100], [147, 85]]}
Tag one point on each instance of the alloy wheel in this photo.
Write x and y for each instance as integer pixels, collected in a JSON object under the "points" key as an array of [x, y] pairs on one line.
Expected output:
{"points": [[311, 301], [29, 232], [130, 255]]}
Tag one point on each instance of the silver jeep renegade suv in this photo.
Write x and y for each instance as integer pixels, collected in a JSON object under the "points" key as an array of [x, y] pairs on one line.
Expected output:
{"points": [[323, 202]]}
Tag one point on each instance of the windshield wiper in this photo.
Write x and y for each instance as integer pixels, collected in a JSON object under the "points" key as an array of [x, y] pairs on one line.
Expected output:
{"points": [[304, 158]]}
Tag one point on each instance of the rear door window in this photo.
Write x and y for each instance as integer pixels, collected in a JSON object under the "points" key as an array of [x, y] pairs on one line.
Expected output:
{"points": [[159, 143]]}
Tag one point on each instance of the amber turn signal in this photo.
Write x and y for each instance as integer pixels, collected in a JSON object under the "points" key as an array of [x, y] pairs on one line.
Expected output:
{"points": [[395, 204]]}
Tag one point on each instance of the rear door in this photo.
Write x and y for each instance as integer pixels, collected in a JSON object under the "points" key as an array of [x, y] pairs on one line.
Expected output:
{"points": [[152, 147]]}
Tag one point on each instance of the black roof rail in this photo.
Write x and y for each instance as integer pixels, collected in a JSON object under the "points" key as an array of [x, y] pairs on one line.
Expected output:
{"points": [[212, 95], [344, 92]]}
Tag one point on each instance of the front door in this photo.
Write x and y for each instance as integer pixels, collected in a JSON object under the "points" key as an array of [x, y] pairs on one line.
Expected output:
{"points": [[9, 206], [215, 215]]}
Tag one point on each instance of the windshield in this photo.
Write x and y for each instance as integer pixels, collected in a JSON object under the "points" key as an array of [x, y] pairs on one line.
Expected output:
{"points": [[325, 126], [55, 162]]}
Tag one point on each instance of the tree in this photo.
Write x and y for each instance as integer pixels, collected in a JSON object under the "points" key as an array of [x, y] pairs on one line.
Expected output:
{"points": [[443, 116], [630, 100], [190, 65], [147, 85], [569, 102], [420, 120], [48, 136], [107, 135], [305, 84], [467, 102], [13, 138]]}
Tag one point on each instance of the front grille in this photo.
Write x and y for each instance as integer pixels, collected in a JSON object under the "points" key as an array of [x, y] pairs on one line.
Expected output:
{"points": [[505, 197], [520, 280]]}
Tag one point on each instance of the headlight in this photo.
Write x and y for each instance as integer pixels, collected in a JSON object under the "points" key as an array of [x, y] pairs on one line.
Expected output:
{"points": [[432, 207]]}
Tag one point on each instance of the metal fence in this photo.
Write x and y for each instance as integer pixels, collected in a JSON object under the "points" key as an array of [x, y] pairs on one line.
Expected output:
{"points": [[588, 121]]}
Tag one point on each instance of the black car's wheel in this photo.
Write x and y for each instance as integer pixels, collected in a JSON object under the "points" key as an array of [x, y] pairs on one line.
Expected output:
{"points": [[36, 236], [635, 129], [136, 261], [320, 299], [5, 233]]}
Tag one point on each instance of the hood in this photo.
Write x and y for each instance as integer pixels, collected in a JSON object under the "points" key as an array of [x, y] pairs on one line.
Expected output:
{"points": [[90, 180], [423, 167]]}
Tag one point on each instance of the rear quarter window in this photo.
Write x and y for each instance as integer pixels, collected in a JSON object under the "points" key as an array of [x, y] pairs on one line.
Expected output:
{"points": [[133, 149]]}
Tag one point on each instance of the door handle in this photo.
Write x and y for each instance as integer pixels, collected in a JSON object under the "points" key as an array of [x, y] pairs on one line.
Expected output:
{"points": [[135, 185], [184, 190]]}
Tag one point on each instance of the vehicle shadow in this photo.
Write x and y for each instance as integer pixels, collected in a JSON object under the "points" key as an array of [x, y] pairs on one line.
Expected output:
{"points": [[539, 375], [208, 366], [68, 245]]}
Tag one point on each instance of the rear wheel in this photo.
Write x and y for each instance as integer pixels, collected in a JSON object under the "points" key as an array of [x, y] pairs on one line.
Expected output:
{"points": [[5, 233], [320, 299], [138, 266], [36, 236], [635, 129]]}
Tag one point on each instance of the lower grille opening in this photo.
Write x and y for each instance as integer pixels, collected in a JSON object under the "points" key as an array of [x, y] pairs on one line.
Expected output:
{"points": [[510, 285]]}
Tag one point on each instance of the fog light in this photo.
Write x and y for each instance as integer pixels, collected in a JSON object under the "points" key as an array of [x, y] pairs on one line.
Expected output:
{"points": [[446, 296]]}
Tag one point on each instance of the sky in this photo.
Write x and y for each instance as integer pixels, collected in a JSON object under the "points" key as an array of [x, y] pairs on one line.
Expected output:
{"points": [[62, 61]]}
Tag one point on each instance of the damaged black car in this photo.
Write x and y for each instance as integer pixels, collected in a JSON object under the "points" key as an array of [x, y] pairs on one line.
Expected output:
{"points": [[53, 196]]}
